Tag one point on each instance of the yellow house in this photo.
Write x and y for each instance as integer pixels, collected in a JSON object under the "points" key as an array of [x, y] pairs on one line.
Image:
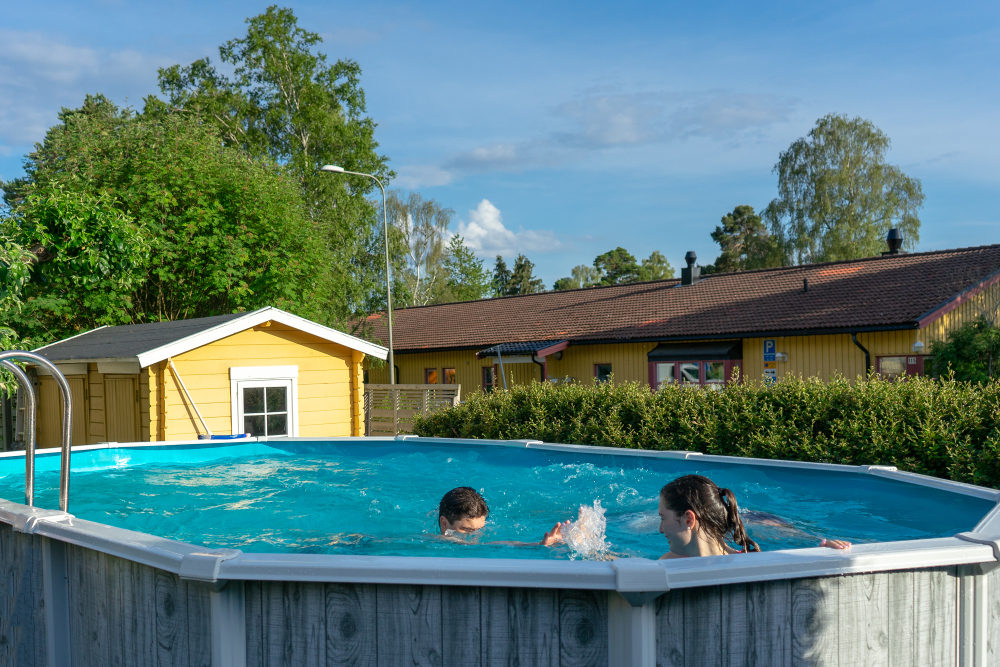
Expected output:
{"points": [[817, 320], [266, 372]]}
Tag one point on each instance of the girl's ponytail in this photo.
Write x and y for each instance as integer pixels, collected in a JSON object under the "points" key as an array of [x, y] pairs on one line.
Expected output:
{"points": [[734, 524]]}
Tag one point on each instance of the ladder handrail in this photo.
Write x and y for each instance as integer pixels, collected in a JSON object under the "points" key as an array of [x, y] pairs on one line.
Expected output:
{"points": [[30, 415], [67, 422]]}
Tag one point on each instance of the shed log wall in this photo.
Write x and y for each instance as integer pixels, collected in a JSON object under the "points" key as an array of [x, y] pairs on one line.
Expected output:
{"points": [[324, 382]]}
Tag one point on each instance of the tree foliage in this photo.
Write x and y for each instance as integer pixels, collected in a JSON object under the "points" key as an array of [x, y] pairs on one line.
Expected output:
{"points": [[970, 353], [745, 243], [466, 279], [656, 267], [285, 102], [581, 276], [617, 267], [519, 280], [147, 217], [837, 196]]}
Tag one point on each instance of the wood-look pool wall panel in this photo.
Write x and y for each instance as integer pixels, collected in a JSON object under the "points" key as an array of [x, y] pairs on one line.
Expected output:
{"points": [[22, 614], [461, 634], [124, 613], [880, 619], [362, 625], [350, 622], [993, 618], [583, 628], [756, 618]]}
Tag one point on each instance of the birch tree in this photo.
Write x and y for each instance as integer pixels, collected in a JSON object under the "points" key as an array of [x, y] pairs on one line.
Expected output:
{"points": [[837, 196], [422, 226]]}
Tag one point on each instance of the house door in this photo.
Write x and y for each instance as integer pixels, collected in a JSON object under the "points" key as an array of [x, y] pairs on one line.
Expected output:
{"points": [[121, 409]]}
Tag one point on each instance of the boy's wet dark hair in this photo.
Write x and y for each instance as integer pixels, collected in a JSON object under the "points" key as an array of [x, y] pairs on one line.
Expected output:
{"points": [[462, 502]]}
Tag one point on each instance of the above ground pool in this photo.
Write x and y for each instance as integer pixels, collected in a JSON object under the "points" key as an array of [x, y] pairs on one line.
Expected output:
{"points": [[379, 497], [324, 551]]}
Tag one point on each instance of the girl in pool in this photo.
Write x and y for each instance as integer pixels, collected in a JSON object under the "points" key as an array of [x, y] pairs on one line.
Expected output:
{"points": [[698, 518]]}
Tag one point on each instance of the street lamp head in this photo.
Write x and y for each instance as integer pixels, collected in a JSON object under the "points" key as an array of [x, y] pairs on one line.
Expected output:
{"points": [[333, 168]]}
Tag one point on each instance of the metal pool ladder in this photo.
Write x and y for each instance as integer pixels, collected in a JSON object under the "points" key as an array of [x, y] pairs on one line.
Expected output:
{"points": [[31, 415]]}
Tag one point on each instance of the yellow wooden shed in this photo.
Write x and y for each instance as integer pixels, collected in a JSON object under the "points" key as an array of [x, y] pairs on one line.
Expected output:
{"points": [[266, 373]]}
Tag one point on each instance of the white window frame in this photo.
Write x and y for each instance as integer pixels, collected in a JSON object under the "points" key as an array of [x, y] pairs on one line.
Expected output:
{"points": [[241, 377]]}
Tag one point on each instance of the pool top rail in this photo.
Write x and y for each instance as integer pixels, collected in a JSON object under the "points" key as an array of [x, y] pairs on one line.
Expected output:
{"points": [[632, 577]]}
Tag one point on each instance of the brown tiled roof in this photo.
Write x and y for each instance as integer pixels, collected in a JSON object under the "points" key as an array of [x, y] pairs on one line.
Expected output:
{"points": [[875, 293]]}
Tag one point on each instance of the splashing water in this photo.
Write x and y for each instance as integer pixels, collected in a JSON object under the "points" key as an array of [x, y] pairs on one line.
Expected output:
{"points": [[585, 536]]}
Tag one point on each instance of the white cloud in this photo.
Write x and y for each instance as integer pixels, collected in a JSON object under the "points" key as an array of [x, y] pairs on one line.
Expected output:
{"points": [[486, 234], [40, 73]]}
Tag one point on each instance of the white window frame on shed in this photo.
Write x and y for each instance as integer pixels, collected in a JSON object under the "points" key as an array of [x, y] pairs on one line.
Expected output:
{"points": [[243, 377]]}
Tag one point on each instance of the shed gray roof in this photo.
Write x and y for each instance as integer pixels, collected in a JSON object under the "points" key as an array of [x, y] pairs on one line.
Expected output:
{"points": [[130, 340]]}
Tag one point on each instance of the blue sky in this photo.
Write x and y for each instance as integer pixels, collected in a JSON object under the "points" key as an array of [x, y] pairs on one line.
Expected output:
{"points": [[565, 130]]}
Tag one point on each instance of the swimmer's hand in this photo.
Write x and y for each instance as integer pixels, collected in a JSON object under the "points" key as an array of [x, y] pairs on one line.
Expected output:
{"points": [[836, 544], [555, 535]]}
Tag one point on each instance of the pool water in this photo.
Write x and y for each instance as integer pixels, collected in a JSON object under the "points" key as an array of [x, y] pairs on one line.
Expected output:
{"points": [[380, 498]]}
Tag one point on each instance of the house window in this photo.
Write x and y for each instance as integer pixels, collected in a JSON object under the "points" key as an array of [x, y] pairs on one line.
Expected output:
{"points": [[664, 374], [602, 372], [264, 400], [449, 375], [265, 409], [891, 368], [489, 378], [713, 374], [430, 376], [690, 372]]}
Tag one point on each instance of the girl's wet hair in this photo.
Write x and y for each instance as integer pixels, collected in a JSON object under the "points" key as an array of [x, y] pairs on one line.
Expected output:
{"points": [[715, 508]]}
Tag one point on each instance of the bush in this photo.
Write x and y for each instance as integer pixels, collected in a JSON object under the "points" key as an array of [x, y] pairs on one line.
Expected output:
{"points": [[942, 428]]}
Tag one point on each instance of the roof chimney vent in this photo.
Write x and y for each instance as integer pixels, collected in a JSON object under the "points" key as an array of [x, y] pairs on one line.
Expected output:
{"points": [[691, 274], [894, 240]]}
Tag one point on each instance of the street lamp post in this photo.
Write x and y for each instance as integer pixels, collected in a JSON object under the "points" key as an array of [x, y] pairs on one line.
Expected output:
{"points": [[385, 228]]}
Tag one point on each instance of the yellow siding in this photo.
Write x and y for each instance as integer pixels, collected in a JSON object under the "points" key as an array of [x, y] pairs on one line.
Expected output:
{"points": [[154, 391], [324, 382], [468, 369], [825, 357], [144, 419], [964, 313], [628, 362], [357, 394]]}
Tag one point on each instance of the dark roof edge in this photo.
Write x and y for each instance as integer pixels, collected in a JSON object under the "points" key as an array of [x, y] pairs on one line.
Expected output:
{"points": [[752, 334], [716, 336]]}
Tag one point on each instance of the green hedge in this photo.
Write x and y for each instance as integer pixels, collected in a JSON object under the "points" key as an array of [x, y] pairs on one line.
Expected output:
{"points": [[943, 428]]}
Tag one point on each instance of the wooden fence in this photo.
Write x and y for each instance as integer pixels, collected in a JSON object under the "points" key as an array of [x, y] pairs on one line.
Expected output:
{"points": [[391, 408]]}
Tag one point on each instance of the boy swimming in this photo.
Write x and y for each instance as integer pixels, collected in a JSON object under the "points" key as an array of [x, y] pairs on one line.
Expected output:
{"points": [[463, 511]]}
